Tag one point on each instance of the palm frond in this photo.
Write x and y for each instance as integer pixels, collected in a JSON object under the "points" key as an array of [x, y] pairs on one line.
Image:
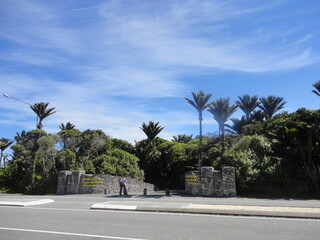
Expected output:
{"points": [[317, 87], [271, 104]]}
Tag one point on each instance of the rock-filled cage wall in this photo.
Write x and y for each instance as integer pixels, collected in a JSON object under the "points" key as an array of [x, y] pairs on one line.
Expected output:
{"points": [[210, 182]]}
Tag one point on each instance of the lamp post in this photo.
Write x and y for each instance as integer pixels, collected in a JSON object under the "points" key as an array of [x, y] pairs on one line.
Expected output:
{"points": [[29, 104]]}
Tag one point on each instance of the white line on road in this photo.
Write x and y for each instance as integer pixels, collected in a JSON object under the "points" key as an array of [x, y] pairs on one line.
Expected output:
{"points": [[70, 234]]}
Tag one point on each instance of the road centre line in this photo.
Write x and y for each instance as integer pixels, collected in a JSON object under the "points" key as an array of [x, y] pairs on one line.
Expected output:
{"points": [[69, 234], [168, 213]]}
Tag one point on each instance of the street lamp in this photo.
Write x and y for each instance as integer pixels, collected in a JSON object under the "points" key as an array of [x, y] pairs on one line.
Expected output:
{"points": [[29, 104], [8, 96]]}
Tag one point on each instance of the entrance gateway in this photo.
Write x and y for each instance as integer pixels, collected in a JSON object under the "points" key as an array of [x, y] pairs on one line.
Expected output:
{"points": [[209, 183]]}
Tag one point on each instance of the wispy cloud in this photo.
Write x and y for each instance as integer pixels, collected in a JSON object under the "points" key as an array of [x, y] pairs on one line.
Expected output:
{"points": [[190, 35]]}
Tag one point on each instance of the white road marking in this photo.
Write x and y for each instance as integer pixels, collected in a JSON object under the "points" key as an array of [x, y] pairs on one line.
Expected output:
{"points": [[70, 234], [113, 206], [26, 204]]}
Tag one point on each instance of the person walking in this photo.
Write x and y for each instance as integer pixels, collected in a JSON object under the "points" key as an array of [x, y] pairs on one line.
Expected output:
{"points": [[122, 182]]}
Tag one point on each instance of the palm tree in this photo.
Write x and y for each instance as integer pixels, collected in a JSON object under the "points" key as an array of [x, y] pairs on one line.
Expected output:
{"points": [[247, 104], [42, 111], [221, 111], [271, 105], [182, 138], [68, 126], [238, 125], [317, 87], [199, 102], [4, 143], [151, 129]]}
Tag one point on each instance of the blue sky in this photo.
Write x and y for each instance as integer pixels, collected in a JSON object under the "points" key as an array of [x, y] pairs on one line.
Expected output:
{"points": [[112, 65]]}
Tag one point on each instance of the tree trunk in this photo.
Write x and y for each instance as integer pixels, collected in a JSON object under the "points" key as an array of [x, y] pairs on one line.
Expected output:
{"points": [[200, 143], [221, 127]]}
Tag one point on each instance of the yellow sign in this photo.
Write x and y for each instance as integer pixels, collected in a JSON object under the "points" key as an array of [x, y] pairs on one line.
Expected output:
{"points": [[192, 180], [91, 182]]}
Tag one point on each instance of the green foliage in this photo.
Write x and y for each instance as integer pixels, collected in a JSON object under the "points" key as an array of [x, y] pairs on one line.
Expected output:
{"points": [[127, 164], [69, 138], [70, 132], [105, 164], [123, 145], [4, 144], [87, 165], [118, 162], [68, 126], [66, 160], [36, 133], [256, 167], [37, 160], [165, 162], [238, 125], [295, 139], [92, 144], [182, 138]]}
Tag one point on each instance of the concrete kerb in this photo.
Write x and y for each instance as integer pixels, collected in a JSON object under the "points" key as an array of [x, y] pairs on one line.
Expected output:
{"points": [[266, 211], [240, 210]]}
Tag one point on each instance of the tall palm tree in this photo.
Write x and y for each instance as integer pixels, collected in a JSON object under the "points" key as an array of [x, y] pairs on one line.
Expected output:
{"points": [[271, 104], [247, 104], [317, 87], [182, 138], [222, 111], [42, 111], [4, 144], [151, 129], [68, 126], [200, 102]]}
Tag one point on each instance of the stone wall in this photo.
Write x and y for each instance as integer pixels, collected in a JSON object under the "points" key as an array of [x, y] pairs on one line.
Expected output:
{"points": [[211, 182], [78, 182]]}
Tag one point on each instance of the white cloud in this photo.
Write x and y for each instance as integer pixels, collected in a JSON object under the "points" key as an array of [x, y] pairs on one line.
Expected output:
{"points": [[189, 35]]}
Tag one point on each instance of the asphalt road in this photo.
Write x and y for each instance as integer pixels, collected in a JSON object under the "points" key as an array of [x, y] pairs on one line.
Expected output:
{"points": [[70, 217]]}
